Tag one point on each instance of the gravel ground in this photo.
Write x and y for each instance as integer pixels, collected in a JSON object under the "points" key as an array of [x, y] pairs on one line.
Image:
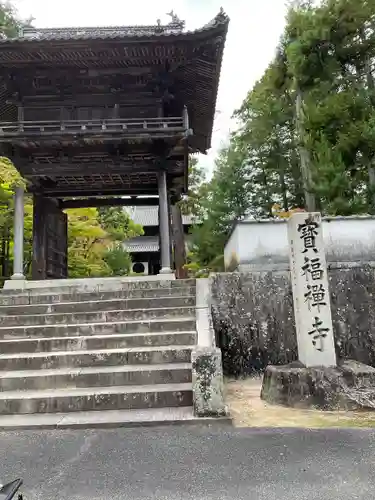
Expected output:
{"points": [[248, 410]]}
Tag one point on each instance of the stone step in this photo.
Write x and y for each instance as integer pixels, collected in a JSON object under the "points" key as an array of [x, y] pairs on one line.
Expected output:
{"points": [[87, 285], [26, 298], [96, 317], [102, 357], [73, 330], [98, 305], [98, 398], [102, 376], [92, 342], [109, 419]]}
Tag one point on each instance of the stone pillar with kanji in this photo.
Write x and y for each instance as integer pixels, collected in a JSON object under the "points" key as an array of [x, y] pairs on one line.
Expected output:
{"points": [[311, 298]]}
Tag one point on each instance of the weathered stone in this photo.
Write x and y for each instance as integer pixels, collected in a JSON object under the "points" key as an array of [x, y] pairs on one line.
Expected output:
{"points": [[349, 386], [84, 285], [64, 296], [208, 398], [254, 323], [312, 307], [97, 305], [97, 398], [94, 345], [85, 358], [102, 328], [101, 376], [98, 317]]}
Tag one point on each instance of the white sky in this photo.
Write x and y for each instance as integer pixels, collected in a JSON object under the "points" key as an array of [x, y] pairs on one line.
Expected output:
{"points": [[254, 32]]}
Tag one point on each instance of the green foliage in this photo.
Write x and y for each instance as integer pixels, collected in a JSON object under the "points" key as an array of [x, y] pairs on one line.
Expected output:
{"points": [[325, 55], [10, 22], [94, 241], [87, 244], [116, 221], [118, 260]]}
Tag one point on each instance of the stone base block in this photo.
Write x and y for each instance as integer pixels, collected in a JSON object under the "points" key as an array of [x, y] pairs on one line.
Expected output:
{"points": [[349, 386], [208, 393]]}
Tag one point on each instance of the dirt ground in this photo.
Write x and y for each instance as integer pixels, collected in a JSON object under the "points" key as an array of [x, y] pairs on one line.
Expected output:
{"points": [[248, 410]]}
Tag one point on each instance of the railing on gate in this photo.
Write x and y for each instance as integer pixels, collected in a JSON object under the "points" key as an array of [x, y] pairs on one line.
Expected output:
{"points": [[113, 125]]}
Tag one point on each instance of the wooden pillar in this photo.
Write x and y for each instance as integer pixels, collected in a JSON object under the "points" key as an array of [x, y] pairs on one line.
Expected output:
{"points": [[164, 224], [18, 234], [39, 262], [50, 240], [21, 116], [179, 242]]}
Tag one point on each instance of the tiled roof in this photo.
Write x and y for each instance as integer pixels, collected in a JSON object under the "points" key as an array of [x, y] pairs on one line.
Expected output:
{"points": [[194, 60], [142, 244], [174, 29], [149, 216], [46, 34]]}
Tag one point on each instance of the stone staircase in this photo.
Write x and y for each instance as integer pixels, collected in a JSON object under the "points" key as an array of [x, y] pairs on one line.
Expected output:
{"points": [[97, 355]]}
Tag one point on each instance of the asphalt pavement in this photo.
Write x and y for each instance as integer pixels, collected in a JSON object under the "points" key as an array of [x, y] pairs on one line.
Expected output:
{"points": [[173, 463]]}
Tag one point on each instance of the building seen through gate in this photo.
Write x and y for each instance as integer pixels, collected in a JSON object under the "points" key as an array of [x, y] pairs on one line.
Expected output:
{"points": [[88, 115], [145, 249]]}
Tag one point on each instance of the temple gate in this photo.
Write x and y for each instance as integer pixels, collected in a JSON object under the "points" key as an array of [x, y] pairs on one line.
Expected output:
{"points": [[89, 115]]}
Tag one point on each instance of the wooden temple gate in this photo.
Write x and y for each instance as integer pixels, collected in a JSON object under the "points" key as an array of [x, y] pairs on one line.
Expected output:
{"points": [[88, 115]]}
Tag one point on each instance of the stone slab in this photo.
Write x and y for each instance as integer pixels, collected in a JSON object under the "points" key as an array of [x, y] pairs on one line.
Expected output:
{"points": [[102, 376], [93, 399], [100, 328], [349, 386], [100, 357], [108, 419], [311, 298], [96, 306], [85, 284], [94, 342], [8, 298], [208, 385], [97, 317]]}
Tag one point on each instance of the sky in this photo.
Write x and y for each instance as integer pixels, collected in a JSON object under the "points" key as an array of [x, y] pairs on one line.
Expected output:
{"points": [[254, 31]]}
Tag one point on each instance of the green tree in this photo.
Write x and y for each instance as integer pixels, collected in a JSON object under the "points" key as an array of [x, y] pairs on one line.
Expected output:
{"points": [[117, 222], [118, 260], [87, 244], [306, 129]]}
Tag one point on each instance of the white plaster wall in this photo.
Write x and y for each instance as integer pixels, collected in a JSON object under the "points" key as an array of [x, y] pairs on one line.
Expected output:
{"points": [[346, 239]]}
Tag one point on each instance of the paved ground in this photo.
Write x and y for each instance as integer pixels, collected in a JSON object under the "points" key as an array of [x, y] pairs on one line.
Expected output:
{"points": [[192, 463]]}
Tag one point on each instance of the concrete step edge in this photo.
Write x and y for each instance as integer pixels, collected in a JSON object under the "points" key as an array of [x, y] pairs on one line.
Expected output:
{"points": [[95, 352], [51, 315], [108, 419], [48, 304], [102, 323], [89, 337], [95, 391], [103, 286], [94, 370]]}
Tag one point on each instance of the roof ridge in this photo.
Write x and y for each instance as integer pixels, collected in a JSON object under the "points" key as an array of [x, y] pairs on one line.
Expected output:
{"points": [[176, 27]]}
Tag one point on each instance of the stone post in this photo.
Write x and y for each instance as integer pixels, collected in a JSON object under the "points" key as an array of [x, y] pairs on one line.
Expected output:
{"points": [[311, 297], [164, 225], [208, 390], [18, 234]]}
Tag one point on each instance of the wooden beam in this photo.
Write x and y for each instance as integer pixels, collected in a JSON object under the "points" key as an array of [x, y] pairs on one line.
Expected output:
{"points": [[64, 192], [54, 170], [109, 202]]}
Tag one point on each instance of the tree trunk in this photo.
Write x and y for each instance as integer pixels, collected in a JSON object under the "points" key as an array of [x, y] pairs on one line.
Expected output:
{"points": [[310, 203]]}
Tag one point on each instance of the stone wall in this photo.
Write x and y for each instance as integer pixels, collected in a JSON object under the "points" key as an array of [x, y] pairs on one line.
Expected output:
{"points": [[254, 322]]}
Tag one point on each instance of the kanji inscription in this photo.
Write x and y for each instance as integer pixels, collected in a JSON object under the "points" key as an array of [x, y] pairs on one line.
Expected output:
{"points": [[311, 298]]}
